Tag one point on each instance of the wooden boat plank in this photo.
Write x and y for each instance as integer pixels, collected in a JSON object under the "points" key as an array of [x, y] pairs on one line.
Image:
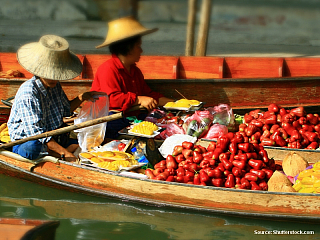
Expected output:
{"points": [[173, 67], [301, 67], [278, 153], [200, 67], [158, 67], [256, 94], [253, 67], [223, 200], [91, 63], [8, 61]]}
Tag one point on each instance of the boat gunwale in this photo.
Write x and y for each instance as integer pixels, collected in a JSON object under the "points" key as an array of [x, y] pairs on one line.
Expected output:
{"points": [[150, 180], [158, 203], [192, 80]]}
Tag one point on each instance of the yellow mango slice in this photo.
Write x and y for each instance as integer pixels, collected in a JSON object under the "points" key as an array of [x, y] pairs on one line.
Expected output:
{"points": [[307, 181], [316, 183], [297, 186], [305, 173], [307, 190]]}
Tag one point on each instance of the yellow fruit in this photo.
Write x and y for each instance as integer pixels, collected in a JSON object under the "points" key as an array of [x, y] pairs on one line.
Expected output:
{"points": [[96, 160], [96, 153], [106, 154], [182, 105], [316, 166], [316, 183], [150, 125], [169, 104], [194, 102], [297, 186], [5, 139], [307, 190], [142, 130], [305, 173], [104, 164], [307, 181], [3, 126], [86, 155], [183, 100]]}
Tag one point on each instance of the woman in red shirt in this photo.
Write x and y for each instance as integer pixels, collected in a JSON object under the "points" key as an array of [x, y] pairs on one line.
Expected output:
{"points": [[119, 76]]}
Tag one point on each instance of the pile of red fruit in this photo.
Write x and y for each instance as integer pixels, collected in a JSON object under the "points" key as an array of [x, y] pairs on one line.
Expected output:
{"points": [[230, 162], [282, 127]]}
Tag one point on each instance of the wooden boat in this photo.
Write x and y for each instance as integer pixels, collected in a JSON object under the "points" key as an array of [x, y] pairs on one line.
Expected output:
{"points": [[243, 83], [27, 229], [91, 181]]}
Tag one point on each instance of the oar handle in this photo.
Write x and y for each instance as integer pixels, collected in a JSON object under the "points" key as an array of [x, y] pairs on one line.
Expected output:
{"points": [[65, 129], [58, 131]]}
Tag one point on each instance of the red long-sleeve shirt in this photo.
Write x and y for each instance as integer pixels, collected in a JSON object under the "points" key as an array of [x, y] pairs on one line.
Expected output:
{"points": [[121, 86]]}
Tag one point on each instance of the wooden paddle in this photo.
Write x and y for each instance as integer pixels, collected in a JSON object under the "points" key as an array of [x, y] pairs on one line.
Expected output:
{"points": [[70, 128]]}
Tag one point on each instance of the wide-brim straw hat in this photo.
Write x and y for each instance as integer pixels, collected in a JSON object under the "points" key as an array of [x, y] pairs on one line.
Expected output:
{"points": [[50, 58], [124, 28]]}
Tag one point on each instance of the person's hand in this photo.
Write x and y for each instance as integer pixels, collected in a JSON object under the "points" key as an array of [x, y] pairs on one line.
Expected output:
{"points": [[91, 96], [69, 157], [148, 102]]}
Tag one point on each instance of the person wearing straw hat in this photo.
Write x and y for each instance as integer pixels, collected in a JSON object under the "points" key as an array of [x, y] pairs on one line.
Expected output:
{"points": [[119, 76], [40, 103]]}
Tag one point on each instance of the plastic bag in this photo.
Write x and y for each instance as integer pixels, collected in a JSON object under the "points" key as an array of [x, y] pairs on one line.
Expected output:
{"points": [[172, 141], [215, 131], [171, 129], [198, 124], [223, 114], [155, 115], [92, 136]]}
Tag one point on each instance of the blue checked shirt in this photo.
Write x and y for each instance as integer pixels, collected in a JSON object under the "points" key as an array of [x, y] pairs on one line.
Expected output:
{"points": [[37, 110]]}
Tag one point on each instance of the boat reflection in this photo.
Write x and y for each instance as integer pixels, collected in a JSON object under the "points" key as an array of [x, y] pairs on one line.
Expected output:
{"points": [[123, 218]]}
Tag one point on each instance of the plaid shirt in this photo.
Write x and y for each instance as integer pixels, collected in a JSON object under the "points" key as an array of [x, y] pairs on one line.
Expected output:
{"points": [[37, 110]]}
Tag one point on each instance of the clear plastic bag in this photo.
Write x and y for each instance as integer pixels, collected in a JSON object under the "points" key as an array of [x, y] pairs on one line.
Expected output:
{"points": [[223, 114], [93, 136], [198, 124]]}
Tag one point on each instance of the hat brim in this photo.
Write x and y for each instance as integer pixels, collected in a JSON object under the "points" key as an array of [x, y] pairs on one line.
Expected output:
{"points": [[69, 65], [142, 33]]}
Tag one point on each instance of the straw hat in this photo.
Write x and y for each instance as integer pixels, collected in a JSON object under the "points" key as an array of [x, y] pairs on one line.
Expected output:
{"points": [[124, 28], [50, 58]]}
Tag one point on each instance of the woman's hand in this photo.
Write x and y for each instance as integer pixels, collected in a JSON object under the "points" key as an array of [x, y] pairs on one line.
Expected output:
{"points": [[148, 102], [90, 96]]}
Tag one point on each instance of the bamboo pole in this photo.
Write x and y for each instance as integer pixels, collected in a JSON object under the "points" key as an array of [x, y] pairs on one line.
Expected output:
{"points": [[203, 28], [65, 129], [192, 9]]}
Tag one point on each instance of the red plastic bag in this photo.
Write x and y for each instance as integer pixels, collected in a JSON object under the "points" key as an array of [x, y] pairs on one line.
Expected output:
{"points": [[215, 131], [171, 129]]}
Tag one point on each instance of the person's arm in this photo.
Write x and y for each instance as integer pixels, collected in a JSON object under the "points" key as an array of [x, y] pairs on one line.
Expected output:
{"points": [[76, 102], [55, 149]]}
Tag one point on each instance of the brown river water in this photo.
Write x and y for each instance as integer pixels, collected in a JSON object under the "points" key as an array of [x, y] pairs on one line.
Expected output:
{"points": [[87, 217]]}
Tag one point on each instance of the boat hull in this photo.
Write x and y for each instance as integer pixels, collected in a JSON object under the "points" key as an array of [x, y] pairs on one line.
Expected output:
{"points": [[18, 228], [79, 179]]}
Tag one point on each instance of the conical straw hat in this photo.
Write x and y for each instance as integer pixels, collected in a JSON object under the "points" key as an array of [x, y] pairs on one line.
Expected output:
{"points": [[50, 58], [124, 28]]}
